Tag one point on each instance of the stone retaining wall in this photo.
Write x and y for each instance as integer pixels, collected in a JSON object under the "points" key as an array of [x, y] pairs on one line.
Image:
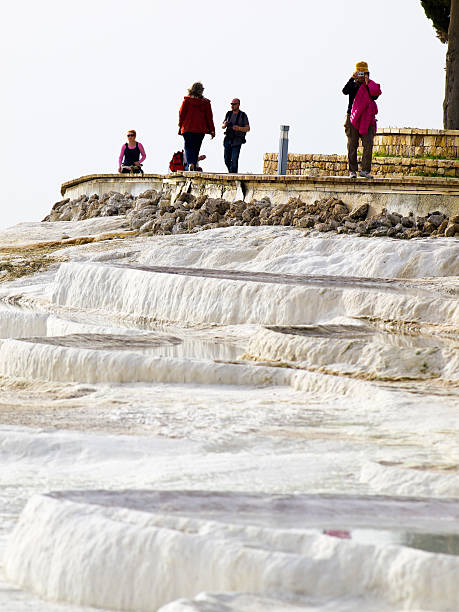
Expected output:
{"points": [[418, 195], [403, 152], [409, 142], [309, 164]]}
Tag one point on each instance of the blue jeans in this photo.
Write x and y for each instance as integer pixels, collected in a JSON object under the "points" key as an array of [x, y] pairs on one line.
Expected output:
{"points": [[193, 142], [231, 156]]}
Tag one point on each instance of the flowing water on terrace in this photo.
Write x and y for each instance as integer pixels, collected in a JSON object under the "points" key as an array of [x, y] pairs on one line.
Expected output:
{"points": [[235, 420]]}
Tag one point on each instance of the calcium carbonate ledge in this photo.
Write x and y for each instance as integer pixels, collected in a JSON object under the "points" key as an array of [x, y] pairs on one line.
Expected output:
{"points": [[403, 194]]}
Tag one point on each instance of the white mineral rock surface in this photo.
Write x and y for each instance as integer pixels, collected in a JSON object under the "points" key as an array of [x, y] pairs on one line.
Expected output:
{"points": [[237, 420], [28, 233]]}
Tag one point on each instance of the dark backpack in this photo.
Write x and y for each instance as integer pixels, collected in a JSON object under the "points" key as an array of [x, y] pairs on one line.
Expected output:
{"points": [[176, 164], [230, 135]]}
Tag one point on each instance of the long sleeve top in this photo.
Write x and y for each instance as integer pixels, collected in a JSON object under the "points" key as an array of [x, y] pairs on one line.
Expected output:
{"points": [[141, 149], [350, 89], [195, 115], [364, 107]]}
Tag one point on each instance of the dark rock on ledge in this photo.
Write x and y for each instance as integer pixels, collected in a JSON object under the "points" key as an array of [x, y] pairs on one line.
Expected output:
{"points": [[152, 212]]}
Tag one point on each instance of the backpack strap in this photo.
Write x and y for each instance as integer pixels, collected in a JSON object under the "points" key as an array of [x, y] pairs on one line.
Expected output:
{"points": [[238, 116], [241, 116]]}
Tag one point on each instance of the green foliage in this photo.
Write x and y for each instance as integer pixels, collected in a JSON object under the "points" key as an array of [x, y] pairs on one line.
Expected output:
{"points": [[382, 154], [438, 11], [429, 174]]}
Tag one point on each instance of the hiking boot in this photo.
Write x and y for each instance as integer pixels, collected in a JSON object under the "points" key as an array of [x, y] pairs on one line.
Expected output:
{"points": [[365, 174], [353, 175]]}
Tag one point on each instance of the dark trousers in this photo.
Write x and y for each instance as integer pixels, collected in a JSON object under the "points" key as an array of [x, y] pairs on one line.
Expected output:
{"points": [[231, 156], [193, 142], [353, 137]]}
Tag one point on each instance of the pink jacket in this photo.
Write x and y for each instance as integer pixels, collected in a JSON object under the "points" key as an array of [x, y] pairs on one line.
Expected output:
{"points": [[364, 109]]}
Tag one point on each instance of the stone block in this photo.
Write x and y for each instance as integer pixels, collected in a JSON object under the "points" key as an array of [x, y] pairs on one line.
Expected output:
{"points": [[452, 230]]}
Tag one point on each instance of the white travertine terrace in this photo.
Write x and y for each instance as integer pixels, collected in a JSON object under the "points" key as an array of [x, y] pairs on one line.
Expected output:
{"points": [[237, 420], [168, 557]]}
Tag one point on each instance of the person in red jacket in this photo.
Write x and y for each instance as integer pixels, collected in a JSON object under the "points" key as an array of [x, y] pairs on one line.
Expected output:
{"points": [[195, 121]]}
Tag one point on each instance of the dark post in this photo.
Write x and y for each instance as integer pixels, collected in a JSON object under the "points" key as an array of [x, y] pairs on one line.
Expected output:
{"points": [[283, 150]]}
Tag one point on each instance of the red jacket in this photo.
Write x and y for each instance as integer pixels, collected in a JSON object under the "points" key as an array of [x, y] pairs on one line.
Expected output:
{"points": [[195, 115]]}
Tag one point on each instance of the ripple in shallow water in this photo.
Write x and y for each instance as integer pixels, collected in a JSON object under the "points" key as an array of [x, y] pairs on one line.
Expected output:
{"points": [[115, 342]]}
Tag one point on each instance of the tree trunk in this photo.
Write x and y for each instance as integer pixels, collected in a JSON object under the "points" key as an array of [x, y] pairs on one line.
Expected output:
{"points": [[451, 103]]}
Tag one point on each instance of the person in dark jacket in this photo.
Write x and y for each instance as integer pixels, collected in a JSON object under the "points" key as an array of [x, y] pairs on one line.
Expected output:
{"points": [[236, 126], [132, 154], [195, 121]]}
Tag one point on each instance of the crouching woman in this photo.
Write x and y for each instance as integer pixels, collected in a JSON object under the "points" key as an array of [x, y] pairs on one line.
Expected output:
{"points": [[132, 154]]}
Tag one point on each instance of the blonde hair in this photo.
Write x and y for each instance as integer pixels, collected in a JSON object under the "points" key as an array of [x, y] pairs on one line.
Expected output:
{"points": [[132, 132], [196, 90]]}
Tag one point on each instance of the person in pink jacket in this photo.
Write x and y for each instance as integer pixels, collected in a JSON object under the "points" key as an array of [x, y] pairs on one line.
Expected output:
{"points": [[361, 118]]}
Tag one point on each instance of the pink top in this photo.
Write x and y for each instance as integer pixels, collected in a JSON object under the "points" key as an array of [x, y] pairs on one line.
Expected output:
{"points": [[141, 149], [364, 108]]}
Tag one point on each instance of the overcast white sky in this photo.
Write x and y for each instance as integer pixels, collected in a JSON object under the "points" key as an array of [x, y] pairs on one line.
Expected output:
{"points": [[77, 75]]}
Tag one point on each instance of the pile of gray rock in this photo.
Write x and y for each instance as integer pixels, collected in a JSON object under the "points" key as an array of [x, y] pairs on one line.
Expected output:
{"points": [[154, 212]]}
